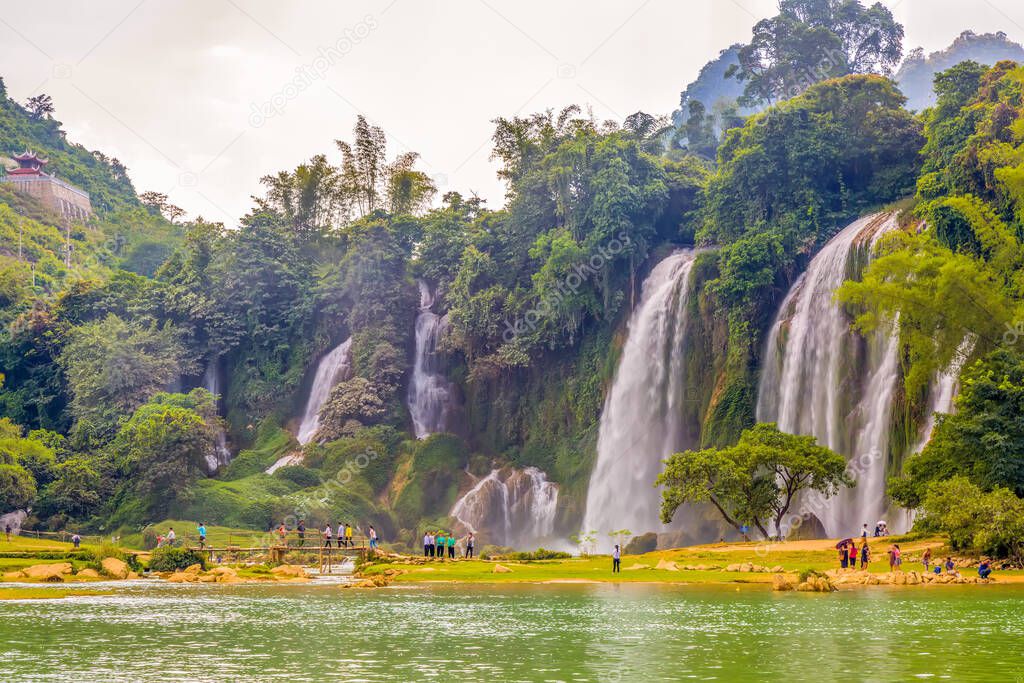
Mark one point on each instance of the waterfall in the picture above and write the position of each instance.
(333, 368)
(221, 454)
(943, 390)
(515, 508)
(14, 519)
(820, 378)
(641, 423)
(429, 395)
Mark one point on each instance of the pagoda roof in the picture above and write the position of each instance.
(29, 155)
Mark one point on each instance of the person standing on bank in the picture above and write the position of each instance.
(426, 544)
(469, 546)
(451, 546)
(616, 560)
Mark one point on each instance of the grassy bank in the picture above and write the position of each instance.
(698, 564)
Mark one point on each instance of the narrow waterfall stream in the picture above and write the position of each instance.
(641, 423)
(429, 396)
(333, 368)
(221, 454)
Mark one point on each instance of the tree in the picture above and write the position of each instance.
(40, 107)
(991, 523)
(76, 489)
(158, 204)
(814, 40)
(408, 191)
(312, 198)
(17, 488)
(755, 481)
(114, 366)
(164, 445)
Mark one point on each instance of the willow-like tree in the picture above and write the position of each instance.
(755, 481)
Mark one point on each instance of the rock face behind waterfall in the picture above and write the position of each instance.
(509, 507)
(430, 393)
(820, 377)
(643, 422)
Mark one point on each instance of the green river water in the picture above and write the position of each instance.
(158, 632)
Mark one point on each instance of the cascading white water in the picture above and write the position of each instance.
(13, 520)
(429, 397)
(814, 380)
(221, 454)
(641, 423)
(335, 367)
(943, 390)
(514, 508)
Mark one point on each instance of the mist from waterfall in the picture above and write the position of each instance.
(221, 454)
(333, 368)
(821, 378)
(429, 397)
(511, 508)
(642, 422)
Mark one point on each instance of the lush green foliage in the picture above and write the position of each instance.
(174, 559)
(991, 523)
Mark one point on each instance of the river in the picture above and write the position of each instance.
(599, 632)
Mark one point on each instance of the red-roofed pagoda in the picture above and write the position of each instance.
(70, 201)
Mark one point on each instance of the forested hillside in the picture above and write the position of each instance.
(109, 363)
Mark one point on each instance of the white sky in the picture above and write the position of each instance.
(171, 88)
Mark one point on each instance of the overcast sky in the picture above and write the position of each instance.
(201, 98)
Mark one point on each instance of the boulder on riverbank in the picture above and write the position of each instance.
(53, 573)
(115, 568)
(88, 574)
(816, 584)
(501, 569)
(911, 578)
(667, 565)
(780, 582)
(290, 572)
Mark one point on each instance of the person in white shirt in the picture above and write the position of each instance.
(616, 560)
(327, 535)
(341, 534)
(426, 544)
(171, 537)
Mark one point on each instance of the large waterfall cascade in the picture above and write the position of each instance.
(820, 377)
(221, 454)
(642, 422)
(430, 393)
(333, 368)
(509, 507)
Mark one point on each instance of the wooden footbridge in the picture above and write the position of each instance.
(327, 557)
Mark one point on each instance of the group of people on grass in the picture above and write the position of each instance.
(436, 544)
(849, 554)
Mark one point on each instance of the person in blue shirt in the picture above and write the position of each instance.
(985, 568)
(202, 535)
